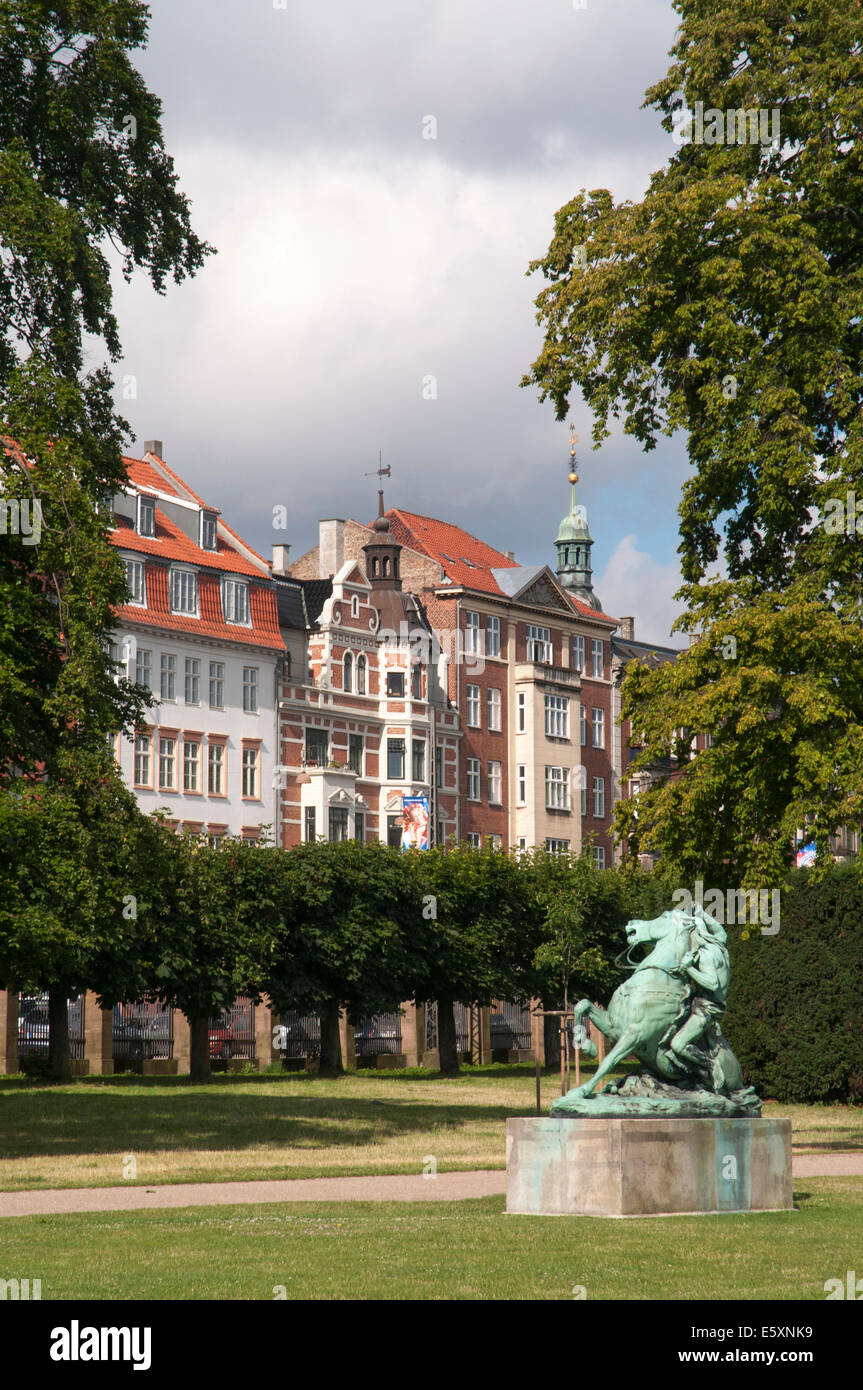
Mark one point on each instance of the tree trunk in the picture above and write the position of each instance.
(551, 1039)
(331, 1043)
(59, 1049)
(199, 1047)
(446, 1038)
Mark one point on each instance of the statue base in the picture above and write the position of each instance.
(561, 1166)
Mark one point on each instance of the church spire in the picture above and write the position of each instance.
(574, 541)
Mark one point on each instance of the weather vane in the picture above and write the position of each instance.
(380, 470)
(573, 439)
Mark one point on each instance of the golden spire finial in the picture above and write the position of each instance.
(573, 439)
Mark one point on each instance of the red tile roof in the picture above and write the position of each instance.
(465, 560)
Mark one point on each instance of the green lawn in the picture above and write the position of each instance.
(447, 1250)
(290, 1125)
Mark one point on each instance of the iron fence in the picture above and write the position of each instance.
(431, 1026)
(232, 1033)
(299, 1034)
(34, 1029)
(381, 1034)
(143, 1032)
(510, 1027)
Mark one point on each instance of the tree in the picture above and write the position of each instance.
(728, 303)
(74, 863)
(349, 935)
(479, 942)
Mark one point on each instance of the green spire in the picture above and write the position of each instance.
(574, 542)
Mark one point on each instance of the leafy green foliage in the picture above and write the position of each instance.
(728, 303)
(796, 998)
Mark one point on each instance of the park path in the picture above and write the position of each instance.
(444, 1187)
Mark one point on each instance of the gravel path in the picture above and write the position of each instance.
(445, 1187)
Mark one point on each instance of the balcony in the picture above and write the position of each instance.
(561, 677)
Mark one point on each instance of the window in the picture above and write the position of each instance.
(135, 581)
(361, 675)
(538, 643)
(167, 764)
(168, 676)
(556, 789)
(472, 638)
(193, 680)
(355, 754)
(310, 823)
(418, 760)
(317, 743)
(355, 612)
(338, 823)
(217, 684)
(142, 760)
(494, 707)
(473, 779)
(557, 846)
(235, 601)
(556, 716)
(395, 685)
(578, 653)
(191, 763)
(473, 706)
(521, 712)
(599, 797)
(492, 636)
(250, 689)
(216, 769)
(584, 798)
(395, 759)
(209, 531)
(521, 784)
(599, 856)
(146, 516)
(521, 844)
(359, 825)
(438, 766)
(143, 672)
(583, 725)
(348, 673)
(495, 842)
(598, 728)
(184, 592)
(473, 839)
(251, 763)
(596, 657)
(494, 783)
(417, 676)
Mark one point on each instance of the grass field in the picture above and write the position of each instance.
(290, 1125)
(447, 1250)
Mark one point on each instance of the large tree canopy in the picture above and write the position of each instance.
(728, 303)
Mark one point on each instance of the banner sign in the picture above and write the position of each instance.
(415, 822)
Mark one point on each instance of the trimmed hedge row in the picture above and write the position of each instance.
(795, 1007)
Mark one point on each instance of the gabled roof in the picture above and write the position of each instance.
(464, 559)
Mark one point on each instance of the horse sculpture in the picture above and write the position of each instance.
(667, 1014)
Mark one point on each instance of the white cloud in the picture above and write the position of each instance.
(635, 584)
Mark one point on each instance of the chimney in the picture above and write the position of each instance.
(281, 555)
(331, 547)
(154, 446)
(627, 629)
(510, 555)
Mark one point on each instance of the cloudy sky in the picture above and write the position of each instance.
(358, 258)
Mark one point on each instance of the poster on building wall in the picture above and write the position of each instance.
(806, 855)
(415, 822)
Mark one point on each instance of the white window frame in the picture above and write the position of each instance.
(582, 721)
(150, 504)
(472, 631)
(555, 846)
(578, 653)
(521, 784)
(472, 706)
(599, 797)
(217, 679)
(495, 783)
(192, 681)
(538, 644)
(494, 708)
(167, 676)
(136, 579)
(235, 602)
(183, 588)
(216, 762)
(143, 754)
(521, 712)
(597, 658)
(599, 856)
(144, 668)
(251, 773)
(556, 716)
(167, 758)
(492, 635)
(209, 519)
(250, 689)
(557, 789)
(191, 764)
(473, 839)
(473, 779)
(597, 719)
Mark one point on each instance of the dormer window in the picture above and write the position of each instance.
(146, 516)
(235, 602)
(209, 531)
(184, 592)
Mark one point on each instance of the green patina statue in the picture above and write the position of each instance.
(668, 1015)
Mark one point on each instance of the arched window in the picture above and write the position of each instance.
(349, 672)
(361, 675)
(374, 567)
(386, 565)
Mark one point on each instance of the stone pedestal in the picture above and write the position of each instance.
(557, 1166)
